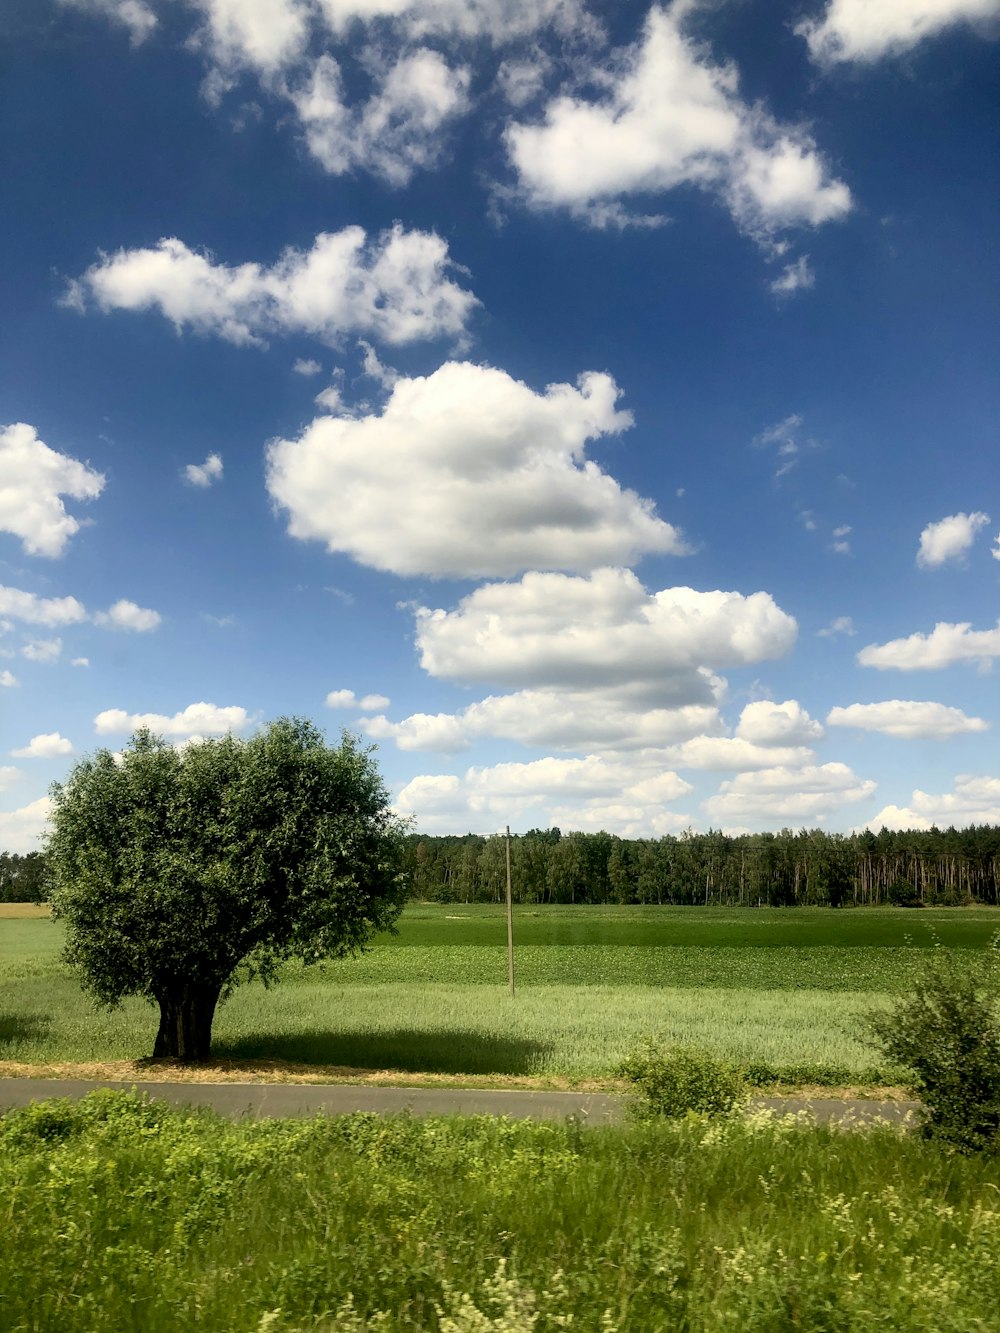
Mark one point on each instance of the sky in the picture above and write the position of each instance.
(592, 405)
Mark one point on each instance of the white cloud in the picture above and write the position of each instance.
(499, 21)
(34, 479)
(765, 723)
(126, 615)
(733, 754)
(394, 287)
(376, 369)
(203, 474)
(264, 34)
(673, 117)
(943, 647)
(8, 680)
(481, 476)
(132, 14)
(949, 539)
(974, 800)
(840, 625)
(80, 662)
(397, 131)
(193, 722)
(995, 553)
(42, 650)
(906, 718)
(49, 745)
(370, 702)
(782, 793)
(307, 367)
(556, 630)
(591, 792)
(789, 442)
(601, 719)
(20, 830)
(41, 610)
(348, 699)
(866, 30)
(794, 277)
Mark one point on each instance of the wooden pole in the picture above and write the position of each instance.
(510, 921)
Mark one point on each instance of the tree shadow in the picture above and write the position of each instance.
(15, 1028)
(405, 1049)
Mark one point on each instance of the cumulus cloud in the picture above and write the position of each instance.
(781, 793)
(943, 647)
(21, 830)
(557, 630)
(134, 15)
(394, 287)
(908, 719)
(266, 35)
(481, 476)
(949, 539)
(766, 723)
(42, 650)
(974, 800)
(499, 21)
(673, 117)
(36, 610)
(591, 792)
(203, 474)
(191, 723)
(602, 719)
(866, 30)
(126, 615)
(306, 366)
(398, 130)
(49, 745)
(348, 699)
(35, 478)
(80, 662)
(8, 680)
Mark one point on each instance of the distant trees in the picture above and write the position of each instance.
(179, 874)
(784, 869)
(22, 878)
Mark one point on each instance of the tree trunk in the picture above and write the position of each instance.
(186, 1014)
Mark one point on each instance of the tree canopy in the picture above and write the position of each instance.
(180, 873)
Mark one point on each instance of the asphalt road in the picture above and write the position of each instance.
(264, 1100)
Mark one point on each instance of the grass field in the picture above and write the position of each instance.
(125, 1215)
(785, 992)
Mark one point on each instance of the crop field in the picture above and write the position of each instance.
(784, 992)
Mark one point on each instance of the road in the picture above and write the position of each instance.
(264, 1100)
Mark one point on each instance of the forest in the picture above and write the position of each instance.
(950, 867)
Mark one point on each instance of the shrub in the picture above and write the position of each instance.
(901, 893)
(673, 1080)
(947, 1031)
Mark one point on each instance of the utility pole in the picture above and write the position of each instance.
(510, 921)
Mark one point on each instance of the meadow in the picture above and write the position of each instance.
(125, 1214)
(783, 992)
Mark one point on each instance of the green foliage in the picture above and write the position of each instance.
(161, 1221)
(947, 1032)
(901, 893)
(179, 873)
(673, 1080)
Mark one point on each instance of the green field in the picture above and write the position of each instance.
(129, 1216)
(783, 991)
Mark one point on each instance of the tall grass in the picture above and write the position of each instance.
(119, 1214)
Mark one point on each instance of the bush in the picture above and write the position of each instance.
(901, 893)
(948, 1033)
(673, 1080)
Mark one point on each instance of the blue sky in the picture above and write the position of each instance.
(594, 405)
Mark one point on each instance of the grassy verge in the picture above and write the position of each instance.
(124, 1213)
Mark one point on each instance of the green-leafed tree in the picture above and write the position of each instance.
(180, 874)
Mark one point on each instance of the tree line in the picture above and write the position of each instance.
(948, 867)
